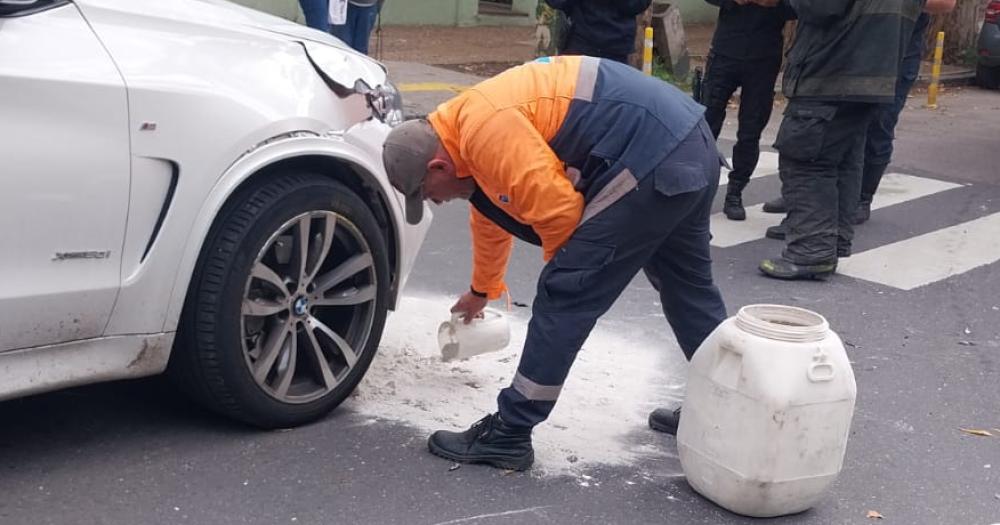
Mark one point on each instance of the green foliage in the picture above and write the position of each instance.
(661, 71)
(969, 57)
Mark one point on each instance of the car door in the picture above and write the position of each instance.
(64, 175)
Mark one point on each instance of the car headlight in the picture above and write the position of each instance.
(387, 104)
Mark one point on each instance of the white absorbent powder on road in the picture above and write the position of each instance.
(622, 372)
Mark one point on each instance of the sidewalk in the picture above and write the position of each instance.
(424, 86)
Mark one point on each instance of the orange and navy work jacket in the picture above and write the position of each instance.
(553, 142)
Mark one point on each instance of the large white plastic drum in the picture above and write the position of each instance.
(770, 398)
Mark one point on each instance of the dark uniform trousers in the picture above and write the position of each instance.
(821, 150)
(650, 229)
(756, 78)
(881, 131)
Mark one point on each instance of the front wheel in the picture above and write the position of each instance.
(287, 304)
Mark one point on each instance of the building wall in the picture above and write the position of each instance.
(460, 12)
(284, 8)
(430, 12)
(695, 11)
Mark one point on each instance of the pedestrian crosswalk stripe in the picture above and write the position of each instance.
(895, 188)
(930, 257)
(766, 165)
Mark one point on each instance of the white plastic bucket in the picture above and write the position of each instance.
(489, 332)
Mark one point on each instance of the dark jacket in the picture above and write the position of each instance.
(750, 32)
(601, 28)
(849, 50)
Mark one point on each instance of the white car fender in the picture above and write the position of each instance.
(344, 148)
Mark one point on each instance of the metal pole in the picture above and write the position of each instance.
(647, 52)
(932, 91)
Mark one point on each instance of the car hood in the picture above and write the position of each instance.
(336, 60)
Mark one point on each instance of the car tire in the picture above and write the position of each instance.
(293, 274)
(987, 77)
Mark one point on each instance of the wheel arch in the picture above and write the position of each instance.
(332, 158)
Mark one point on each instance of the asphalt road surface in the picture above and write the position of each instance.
(918, 306)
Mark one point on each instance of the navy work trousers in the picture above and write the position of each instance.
(651, 229)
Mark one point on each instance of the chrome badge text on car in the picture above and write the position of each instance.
(63, 256)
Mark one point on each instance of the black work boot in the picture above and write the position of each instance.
(784, 269)
(864, 211)
(665, 420)
(489, 441)
(733, 207)
(775, 206)
(776, 232)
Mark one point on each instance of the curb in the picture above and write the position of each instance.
(962, 78)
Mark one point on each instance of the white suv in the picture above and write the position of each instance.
(193, 186)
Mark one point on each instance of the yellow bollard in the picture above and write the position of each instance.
(647, 52)
(932, 91)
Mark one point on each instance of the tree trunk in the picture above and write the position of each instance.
(961, 29)
(642, 21)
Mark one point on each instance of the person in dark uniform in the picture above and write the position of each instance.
(611, 172)
(746, 53)
(881, 131)
(600, 28)
(844, 63)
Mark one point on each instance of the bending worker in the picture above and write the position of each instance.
(610, 172)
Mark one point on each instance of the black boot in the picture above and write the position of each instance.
(489, 441)
(733, 207)
(864, 211)
(776, 232)
(775, 206)
(783, 269)
(665, 420)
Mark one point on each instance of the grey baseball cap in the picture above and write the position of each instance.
(407, 150)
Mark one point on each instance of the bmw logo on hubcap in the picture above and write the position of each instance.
(301, 306)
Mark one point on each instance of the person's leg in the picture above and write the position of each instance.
(877, 151)
(858, 117)
(681, 271)
(361, 26)
(343, 31)
(881, 131)
(817, 144)
(756, 103)
(808, 165)
(720, 82)
(317, 13)
(722, 76)
(577, 286)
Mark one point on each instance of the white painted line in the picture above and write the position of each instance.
(726, 233)
(895, 188)
(767, 164)
(930, 257)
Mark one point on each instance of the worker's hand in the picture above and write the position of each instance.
(469, 305)
(766, 3)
